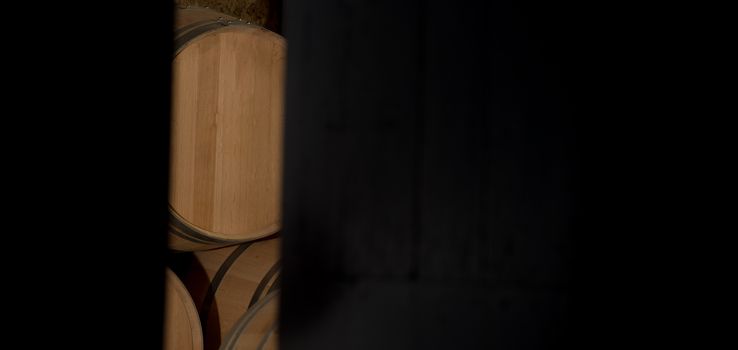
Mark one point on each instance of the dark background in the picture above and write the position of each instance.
(464, 176)
(457, 175)
(432, 175)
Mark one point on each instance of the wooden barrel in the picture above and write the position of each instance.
(226, 134)
(226, 282)
(257, 328)
(182, 329)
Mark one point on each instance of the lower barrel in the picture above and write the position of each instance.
(182, 329)
(226, 282)
(257, 328)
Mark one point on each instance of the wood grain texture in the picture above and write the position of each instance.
(272, 339)
(181, 322)
(256, 329)
(225, 282)
(226, 141)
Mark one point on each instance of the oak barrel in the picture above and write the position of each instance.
(182, 329)
(257, 328)
(226, 282)
(226, 131)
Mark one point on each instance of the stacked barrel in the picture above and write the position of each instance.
(225, 183)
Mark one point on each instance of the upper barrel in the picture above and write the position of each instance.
(226, 130)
